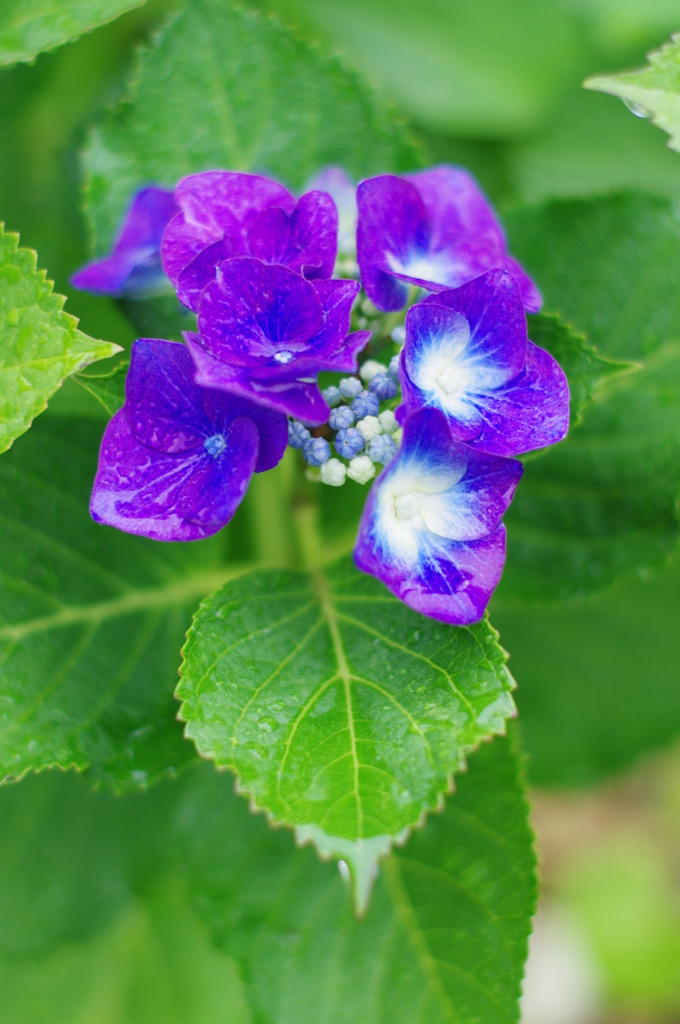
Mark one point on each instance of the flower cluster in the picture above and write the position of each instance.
(459, 391)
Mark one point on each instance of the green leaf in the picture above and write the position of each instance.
(86, 854)
(267, 103)
(463, 69)
(343, 713)
(91, 620)
(107, 388)
(586, 370)
(652, 92)
(444, 939)
(154, 964)
(39, 343)
(600, 674)
(30, 27)
(605, 500)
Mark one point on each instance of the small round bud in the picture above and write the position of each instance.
(369, 427)
(383, 386)
(393, 369)
(349, 387)
(341, 418)
(297, 434)
(316, 451)
(397, 435)
(382, 449)
(349, 443)
(361, 469)
(333, 473)
(366, 404)
(388, 421)
(331, 395)
(398, 335)
(369, 369)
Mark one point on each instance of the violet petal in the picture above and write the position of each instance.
(134, 264)
(163, 405)
(139, 490)
(304, 241)
(256, 312)
(215, 489)
(214, 205)
(430, 529)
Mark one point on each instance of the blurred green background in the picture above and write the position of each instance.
(495, 86)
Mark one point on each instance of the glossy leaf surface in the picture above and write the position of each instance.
(443, 940)
(653, 91)
(91, 620)
(40, 344)
(343, 713)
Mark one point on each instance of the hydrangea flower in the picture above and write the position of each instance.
(176, 460)
(134, 264)
(467, 354)
(265, 332)
(431, 528)
(435, 229)
(226, 215)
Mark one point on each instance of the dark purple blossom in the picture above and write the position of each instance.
(435, 229)
(134, 265)
(227, 215)
(468, 355)
(176, 461)
(431, 528)
(265, 332)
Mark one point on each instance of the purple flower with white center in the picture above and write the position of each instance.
(227, 215)
(467, 354)
(176, 460)
(435, 229)
(431, 528)
(134, 265)
(265, 332)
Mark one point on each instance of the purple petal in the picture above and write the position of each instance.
(305, 241)
(164, 407)
(434, 229)
(272, 427)
(461, 218)
(254, 312)
(463, 343)
(301, 399)
(214, 205)
(142, 491)
(216, 488)
(134, 264)
(529, 412)
(430, 527)
(392, 231)
(453, 583)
